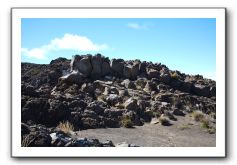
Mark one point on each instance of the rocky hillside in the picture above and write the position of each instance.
(94, 92)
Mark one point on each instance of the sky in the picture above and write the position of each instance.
(184, 44)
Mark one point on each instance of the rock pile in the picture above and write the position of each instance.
(94, 92)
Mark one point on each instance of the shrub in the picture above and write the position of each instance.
(205, 123)
(175, 75)
(164, 121)
(66, 127)
(126, 122)
(198, 115)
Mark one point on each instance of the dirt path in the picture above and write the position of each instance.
(183, 133)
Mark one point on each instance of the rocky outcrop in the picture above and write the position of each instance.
(94, 92)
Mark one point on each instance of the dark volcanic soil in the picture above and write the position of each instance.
(183, 133)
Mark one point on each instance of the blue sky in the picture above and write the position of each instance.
(185, 44)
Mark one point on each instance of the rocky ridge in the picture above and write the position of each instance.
(96, 92)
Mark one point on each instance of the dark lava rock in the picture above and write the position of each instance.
(35, 109)
(94, 92)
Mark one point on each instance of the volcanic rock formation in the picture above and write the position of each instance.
(94, 92)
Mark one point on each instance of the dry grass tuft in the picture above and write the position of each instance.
(198, 115)
(183, 127)
(126, 122)
(164, 121)
(66, 127)
(211, 130)
(25, 141)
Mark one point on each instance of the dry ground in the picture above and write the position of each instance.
(184, 132)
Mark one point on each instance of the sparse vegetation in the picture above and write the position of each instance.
(126, 122)
(205, 123)
(120, 106)
(164, 121)
(25, 141)
(174, 75)
(211, 130)
(66, 127)
(145, 96)
(183, 127)
(212, 115)
(198, 115)
(35, 71)
(101, 98)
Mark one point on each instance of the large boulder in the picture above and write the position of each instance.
(88, 88)
(164, 97)
(213, 91)
(89, 122)
(128, 84)
(75, 62)
(71, 78)
(77, 105)
(117, 66)
(165, 75)
(131, 104)
(150, 86)
(58, 111)
(29, 90)
(59, 139)
(142, 67)
(105, 67)
(35, 109)
(54, 75)
(152, 73)
(97, 106)
(176, 84)
(84, 66)
(131, 71)
(140, 83)
(96, 62)
(186, 87)
(201, 90)
(113, 112)
(113, 99)
(165, 78)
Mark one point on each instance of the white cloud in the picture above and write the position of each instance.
(136, 26)
(38, 53)
(67, 42)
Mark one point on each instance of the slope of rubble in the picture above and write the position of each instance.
(97, 92)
